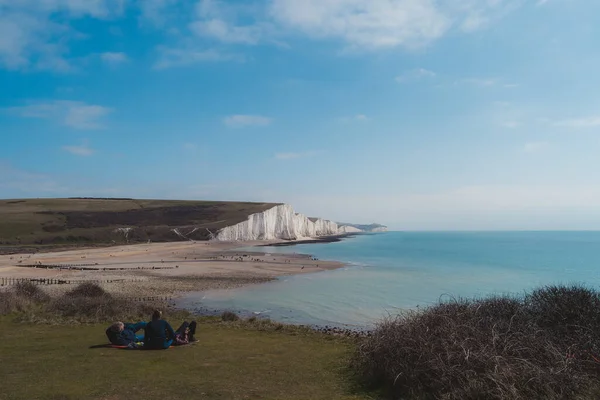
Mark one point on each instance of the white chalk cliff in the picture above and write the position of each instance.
(349, 229)
(279, 222)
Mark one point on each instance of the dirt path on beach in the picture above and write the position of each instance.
(159, 269)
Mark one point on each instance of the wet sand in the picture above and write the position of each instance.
(162, 269)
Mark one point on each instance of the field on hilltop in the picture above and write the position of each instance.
(109, 221)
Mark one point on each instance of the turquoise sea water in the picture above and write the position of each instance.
(399, 270)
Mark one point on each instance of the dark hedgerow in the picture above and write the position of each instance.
(543, 345)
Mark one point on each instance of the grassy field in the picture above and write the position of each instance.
(44, 222)
(229, 362)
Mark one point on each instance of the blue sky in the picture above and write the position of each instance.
(420, 114)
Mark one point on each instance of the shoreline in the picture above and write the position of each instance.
(172, 270)
(162, 269)
(323, 239)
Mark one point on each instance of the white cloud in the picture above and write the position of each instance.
(76, 114)
(474, 21)
(155, 11)
(587, 122)
(238, 121)
(535, 147)
(183, 57)
(367, 24)
(414, 75)
(80, 150)
(225, 32)
(291, 156)
(35, 34)
(113, 59)
(219, 21)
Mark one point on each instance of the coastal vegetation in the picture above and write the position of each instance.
(544, 344)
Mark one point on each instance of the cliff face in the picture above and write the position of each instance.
(279, 222)
(363, 228)
(349, 229)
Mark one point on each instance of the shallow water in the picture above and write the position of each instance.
(402, 270)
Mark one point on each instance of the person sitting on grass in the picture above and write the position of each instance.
(120, 334)
(158, 333)
(185, 333)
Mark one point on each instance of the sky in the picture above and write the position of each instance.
(417, 114)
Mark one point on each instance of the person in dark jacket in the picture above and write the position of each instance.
(121, 334)
(185, 334)
(158, 333)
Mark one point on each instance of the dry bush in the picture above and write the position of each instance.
(229, 316)
(88, 302)
(87, 289)
(10, 303)
(494, 348)
(21, 297)
(31, 291)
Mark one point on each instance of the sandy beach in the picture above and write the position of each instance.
(161, 269)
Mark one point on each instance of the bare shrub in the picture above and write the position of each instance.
(494, 348)
(103, 308)
(229, 316)
(30, 291)
(10, 303)
(21, 297)
(87, 289)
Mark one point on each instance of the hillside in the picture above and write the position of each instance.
(93, 220)
(366, 228)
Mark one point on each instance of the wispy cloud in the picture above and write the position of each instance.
(114, 59)
(364, 24)
(354, 118)
(79, 150)
(535, 147)
(292, 156)
(238, 121)
(415, 75)
(156, 11)
(75, 114)
(220, 30)
(511, 124)
(481, 82)
(183, 57)
(586, 122)
(36, 34)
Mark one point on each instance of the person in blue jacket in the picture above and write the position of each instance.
(158, 333)
(124, 334)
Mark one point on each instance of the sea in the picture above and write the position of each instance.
(394, 271)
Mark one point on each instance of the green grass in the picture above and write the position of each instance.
(229, 362)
